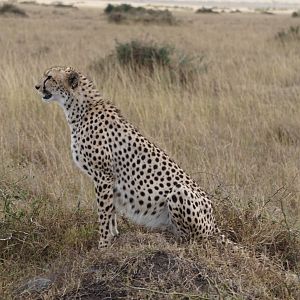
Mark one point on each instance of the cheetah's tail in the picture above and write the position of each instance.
(226, 242)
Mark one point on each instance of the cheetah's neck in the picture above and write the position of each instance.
(79, 103)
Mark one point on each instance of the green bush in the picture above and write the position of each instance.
(29, 3)
(204, 10)
(62, 5)
(8, 8)
(296, 14)
(151, 58)
(117, 18)
(235, 11)
(139, 54)
(109, 8)
(123, 8)
(127, 13)
(267, 12)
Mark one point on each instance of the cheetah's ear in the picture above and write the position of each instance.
(73, 79)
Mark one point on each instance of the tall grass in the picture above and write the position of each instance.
(235, 131)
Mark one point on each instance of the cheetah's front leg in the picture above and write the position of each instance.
(106, 210)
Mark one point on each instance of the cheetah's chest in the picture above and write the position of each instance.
(82, 156)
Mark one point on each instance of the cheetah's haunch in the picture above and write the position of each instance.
(132, 176)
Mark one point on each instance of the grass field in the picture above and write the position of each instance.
(235, 129)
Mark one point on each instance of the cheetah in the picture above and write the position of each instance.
(132, 176)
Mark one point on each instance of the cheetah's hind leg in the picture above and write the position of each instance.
(190, 214)
(178, 225)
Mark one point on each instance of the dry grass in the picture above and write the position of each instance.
(236, 130)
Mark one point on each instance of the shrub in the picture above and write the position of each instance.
(109, 8)
(117, 18)
(8, 8)
(62, 5)
(29, 3)
(296, 14)
(235, 11)
(292, 33)
(267, 12)
(138, 54)
(204, 10)
(123, 8)
(127, 13)
(149, 57)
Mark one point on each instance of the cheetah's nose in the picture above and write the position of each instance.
(37, 87)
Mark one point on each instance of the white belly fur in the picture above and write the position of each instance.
(160, 220)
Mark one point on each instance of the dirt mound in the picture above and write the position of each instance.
(157, 274)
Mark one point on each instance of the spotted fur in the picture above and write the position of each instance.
(132, 176)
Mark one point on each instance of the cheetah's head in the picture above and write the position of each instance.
(58, 83)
